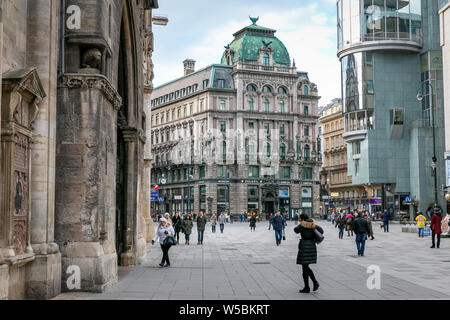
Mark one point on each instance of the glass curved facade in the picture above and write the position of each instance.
(357, 90)
(375, 20)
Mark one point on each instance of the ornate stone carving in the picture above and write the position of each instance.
(100, 82)
(92, 58)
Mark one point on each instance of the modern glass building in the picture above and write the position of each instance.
(389, 52)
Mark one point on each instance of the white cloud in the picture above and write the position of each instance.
(308, 33)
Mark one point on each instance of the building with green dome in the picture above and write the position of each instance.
(239, 136)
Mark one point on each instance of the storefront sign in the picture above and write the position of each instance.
(283, 193)
(306, 192)
(307, 204)
(375, 201)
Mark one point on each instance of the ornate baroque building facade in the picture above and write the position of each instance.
(239, 136)
(73, 124)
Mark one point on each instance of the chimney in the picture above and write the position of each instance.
(189, 66)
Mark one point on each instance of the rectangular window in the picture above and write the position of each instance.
(201, 106)
(253, 171)
(253, 194)
(222, 171)
(267, 128)
(306, 110)
(220, 83)
(223, 126)
(201, 172)
(179, 113)
(251, 125)
(285, 172)
(307, 173)
(356, 167)
(222, 106)
(306, 131)
(356, 148)
(222, 194)
(205, 83)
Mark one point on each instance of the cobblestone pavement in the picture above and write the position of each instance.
(240, 265)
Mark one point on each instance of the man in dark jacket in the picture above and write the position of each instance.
(201, 224)
(436, 228)
(278, 224)
(385, 218)
(362, 229)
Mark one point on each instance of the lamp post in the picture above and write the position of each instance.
(434, 158)
(190, 176)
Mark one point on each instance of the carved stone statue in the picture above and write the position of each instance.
(92, 59)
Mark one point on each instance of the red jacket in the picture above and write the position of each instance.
(436, 223)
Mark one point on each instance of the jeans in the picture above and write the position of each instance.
(270, 224)
(438, 239)
(200, 235)
(361, 242)
(421, 232)
(386, 226)
(214, 229)
(341, 233)
(278, 235)
(186, 236)
(221, 227)
(165, 250)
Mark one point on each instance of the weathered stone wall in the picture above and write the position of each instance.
(86, 179)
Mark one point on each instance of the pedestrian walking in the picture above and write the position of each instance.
(340, 224)
(177, 225)
(307, 250)
(296, 218)
(366, 216)
(231, 218)
(253, 222)
(278, 224)
(385, 218)
(164, 231)
(201, 224)
(349, 223)
(221, 221)
(270, 220)
(420, 223)
(436, 228)
(187, 227)
(167, 217)
(213, 222)
(361, 228)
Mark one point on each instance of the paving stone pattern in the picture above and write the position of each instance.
(243, 265)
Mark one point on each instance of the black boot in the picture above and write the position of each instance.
(306, 289)
(315, 285)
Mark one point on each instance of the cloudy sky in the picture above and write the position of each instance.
(199, 30)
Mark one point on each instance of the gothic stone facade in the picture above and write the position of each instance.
(72, 142)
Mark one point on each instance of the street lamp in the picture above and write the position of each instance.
(190, 177)
(434, 159)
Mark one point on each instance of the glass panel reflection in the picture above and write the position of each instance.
(378, 20)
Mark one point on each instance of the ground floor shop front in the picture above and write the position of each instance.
(236, 198)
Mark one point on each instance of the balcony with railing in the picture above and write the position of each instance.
(258, 67)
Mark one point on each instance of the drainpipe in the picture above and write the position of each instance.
(63, 24)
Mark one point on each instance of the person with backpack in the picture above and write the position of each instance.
(307, 250)
(162, 233)
(362, 229)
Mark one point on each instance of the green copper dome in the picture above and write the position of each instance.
(249, 40)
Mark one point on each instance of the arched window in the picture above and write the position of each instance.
(306, 152)
(268, 150)
(266, 59)
(281, 103)
(267, 89)
(251, 87)
(228, 60)
(282, 90)
(305, 90)
(283, 151)
(250, 104)
(266, 105)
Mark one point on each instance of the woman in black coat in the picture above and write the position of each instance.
(253, 222)
(307, 250)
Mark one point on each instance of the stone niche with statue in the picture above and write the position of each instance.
(22, 93)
